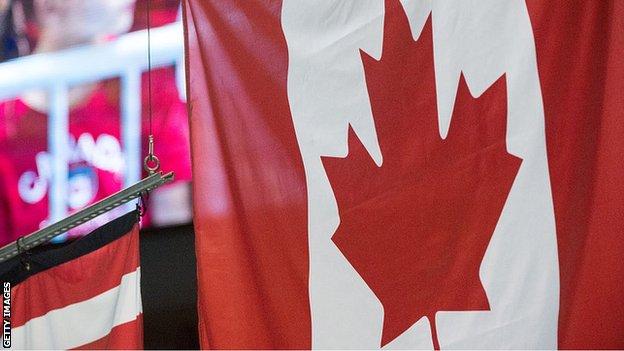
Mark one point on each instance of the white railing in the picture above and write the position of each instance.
(54, 72)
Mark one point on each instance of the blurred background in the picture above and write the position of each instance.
(74, 123)
(74, 116)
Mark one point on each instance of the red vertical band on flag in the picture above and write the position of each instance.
(579, 55)
(250, 209)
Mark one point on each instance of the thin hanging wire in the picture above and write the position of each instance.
(151, 162)
(149, 65)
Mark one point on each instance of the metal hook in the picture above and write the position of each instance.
(142, 203)
(20, 251)
(20, 248)
(151, 163)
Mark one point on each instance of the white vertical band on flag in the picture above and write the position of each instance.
(84, 321)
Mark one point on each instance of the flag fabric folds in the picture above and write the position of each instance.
(407, 174)
(83, 295)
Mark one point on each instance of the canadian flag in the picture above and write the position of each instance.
(86, 295)
(408, 174)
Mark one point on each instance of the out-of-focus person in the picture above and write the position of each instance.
(96, 167)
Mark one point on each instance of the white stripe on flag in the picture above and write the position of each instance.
(85, 321)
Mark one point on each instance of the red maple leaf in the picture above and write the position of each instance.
(416, 228)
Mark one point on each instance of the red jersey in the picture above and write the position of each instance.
(96, 162)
